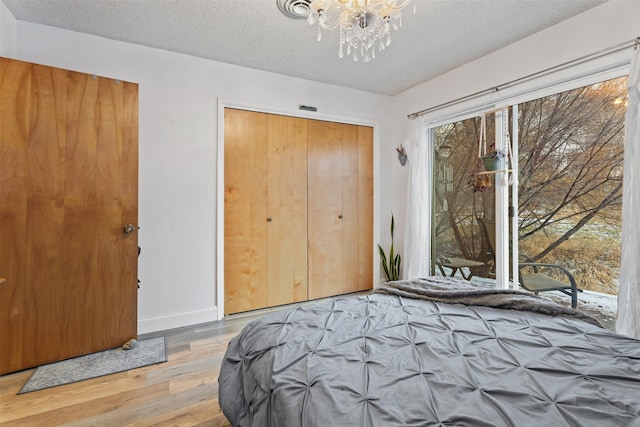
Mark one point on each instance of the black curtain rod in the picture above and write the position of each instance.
(613, 49)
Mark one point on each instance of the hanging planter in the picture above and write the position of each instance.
(491, 163)
(494, 161)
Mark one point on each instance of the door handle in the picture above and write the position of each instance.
(269, 219)
(129, 228)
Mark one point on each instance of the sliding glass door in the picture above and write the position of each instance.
(570, 188)
(460, 248)
(565, 204)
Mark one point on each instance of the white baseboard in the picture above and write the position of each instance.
(176, 320)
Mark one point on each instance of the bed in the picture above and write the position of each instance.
(436, 351)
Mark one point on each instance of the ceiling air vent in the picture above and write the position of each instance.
(297, 9)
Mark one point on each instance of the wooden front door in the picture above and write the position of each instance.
(68, 186)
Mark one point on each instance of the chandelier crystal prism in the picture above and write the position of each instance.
(365, 25)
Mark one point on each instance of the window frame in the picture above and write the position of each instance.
(562, 80)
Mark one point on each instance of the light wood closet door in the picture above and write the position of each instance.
(68, 185)
(246, 246)
(325, 208)
(298, 209)
(265, 210)
(340, 208)
(357, 208)
(287, 210)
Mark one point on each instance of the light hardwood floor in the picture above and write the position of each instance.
(181, 392)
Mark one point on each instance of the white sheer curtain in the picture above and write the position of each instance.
(417, 236)
(628, 322)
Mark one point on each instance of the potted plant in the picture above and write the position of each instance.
(402, 154)
(391, 265)
(494, 159)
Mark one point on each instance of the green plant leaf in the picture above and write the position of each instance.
(392, 227)
(391, 266)
(383, 258)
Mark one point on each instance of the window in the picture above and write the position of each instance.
(569, 192)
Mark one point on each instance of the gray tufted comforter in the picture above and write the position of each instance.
(396, 358)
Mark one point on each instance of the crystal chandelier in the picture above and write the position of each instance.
(365, 25)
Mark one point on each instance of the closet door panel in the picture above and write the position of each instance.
(245, 210)
(357, 205)
(365, 207)
(324, 141)
(287, 209)
(350, 209)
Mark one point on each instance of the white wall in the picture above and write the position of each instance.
(599, 28)
(178, 134)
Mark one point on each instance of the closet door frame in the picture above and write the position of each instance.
(240, 105)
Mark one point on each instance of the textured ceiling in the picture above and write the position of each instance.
(442, 35)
